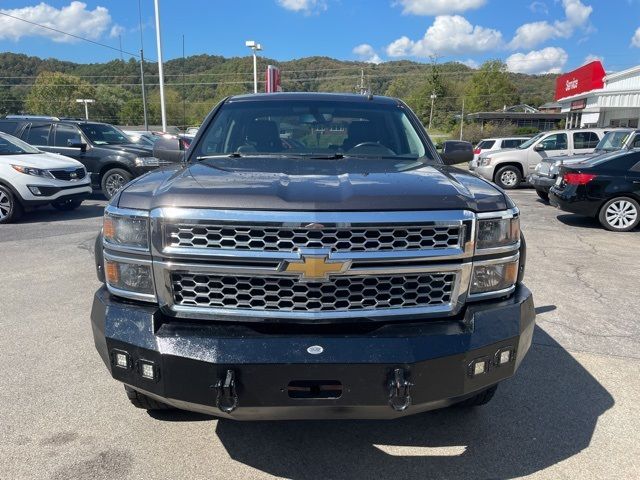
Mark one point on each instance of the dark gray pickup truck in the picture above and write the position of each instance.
(311, 257)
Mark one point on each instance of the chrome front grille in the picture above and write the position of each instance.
(337, 294)
(311, 266)
(290, 239)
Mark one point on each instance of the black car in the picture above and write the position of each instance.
(606, 187)
(106, 152)
(312, 257)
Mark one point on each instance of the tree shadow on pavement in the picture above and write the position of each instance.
(545, 414)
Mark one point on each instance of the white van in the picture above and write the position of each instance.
(508, 168)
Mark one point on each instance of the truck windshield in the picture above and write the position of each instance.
(102, 134)
(612, 141)
(10, 145)
(531, 141)
(314, 129)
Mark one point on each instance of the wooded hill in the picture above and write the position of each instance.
(193, 85)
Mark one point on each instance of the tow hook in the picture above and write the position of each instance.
(226, 396)
(399, 394)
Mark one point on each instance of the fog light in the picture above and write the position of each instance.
(35, 190)
(504, 356)
(147, 369)
(121, 359)
(479, 366)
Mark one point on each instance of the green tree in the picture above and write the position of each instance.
(9, 102)
(490, 88)
(55, 93)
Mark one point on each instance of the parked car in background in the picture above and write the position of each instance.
(606, 187)
(508, 168)
(105, 151)
(545, 174)
(30, 178)
(493, 144)
(143, 138)
(192, 131)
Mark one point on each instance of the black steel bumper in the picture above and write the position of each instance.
(540, 182)
(353, 377)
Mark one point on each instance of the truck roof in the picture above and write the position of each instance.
(333, 97)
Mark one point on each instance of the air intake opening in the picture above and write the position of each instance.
(328, 389)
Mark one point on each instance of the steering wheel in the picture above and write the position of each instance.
(378, 147)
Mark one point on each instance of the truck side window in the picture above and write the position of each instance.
(8, 127)
(64, 133)
(37, 134)
(585, 140)
(557, 141)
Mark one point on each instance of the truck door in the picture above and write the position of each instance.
(37, 135)
(553, 145)
(584, 142)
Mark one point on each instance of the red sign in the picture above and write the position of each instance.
(584, 79)
(273, 80)
(579, 104)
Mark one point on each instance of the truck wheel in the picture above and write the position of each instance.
(479, 399)
(66, 205)
(139, 400)
(620, 214)
(543, 195)
(10, 208)
(508, 177)
(113, 180)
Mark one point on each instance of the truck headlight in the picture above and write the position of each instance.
(494, 275)
(129, 277)
(498, 232)
(147, 162)
(126, 229)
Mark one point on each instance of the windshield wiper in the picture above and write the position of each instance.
(335, 156)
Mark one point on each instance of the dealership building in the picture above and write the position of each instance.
(589, 97)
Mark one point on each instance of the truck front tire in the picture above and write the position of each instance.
(508, 177)
(479, 399)
(140, 400)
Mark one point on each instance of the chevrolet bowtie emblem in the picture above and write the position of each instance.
(316, 268)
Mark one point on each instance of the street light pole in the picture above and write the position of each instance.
(255, 47)
(86, 102)
(163, 111)
(433, 97)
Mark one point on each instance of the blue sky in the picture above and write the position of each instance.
(532, 36)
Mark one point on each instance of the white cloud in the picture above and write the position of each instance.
(438, 7)
(367, 53)
(539, 7)
(547, 60)
(449, 35)
(471, 63)
(529, 35)
(635, 40)
(303, 6)
(116, 31)
(592, 58)
(74, 18)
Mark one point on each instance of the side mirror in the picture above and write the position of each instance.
(168, 149)
(538, 147)
(454, 151)
(76, 142)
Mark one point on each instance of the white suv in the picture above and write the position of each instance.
(508, 168)
(30, 177)
(487, 145)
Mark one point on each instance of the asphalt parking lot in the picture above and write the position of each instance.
(570, 412)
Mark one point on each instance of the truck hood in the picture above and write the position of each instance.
(136, 150)
(43, 160)
(272, 183)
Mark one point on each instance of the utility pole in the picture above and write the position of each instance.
(255, 47)
(433, 97)
(462, 118)
(361, 86)
(144, 94)
(184, 93)
(163, 111)
(86, 102)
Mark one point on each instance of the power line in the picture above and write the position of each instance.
(68, 34)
